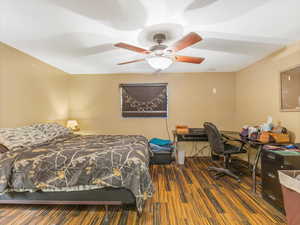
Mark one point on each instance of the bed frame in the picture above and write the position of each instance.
(104, 196)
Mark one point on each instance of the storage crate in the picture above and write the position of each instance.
(290, 182)
(162, 157)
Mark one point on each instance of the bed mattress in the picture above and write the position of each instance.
(80, 163)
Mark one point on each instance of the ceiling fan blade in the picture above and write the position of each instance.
(132, 61)
(189, 59)
(132, 48)
(186, 41)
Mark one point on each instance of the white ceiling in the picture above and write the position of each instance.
(77, 36)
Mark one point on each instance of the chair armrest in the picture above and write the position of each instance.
(228, 138)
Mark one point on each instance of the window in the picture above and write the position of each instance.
(144, 100)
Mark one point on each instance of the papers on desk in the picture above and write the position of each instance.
(283, 150)
(272, 147)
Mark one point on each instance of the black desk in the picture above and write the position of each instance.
(202, 137)
(255, 145)
(199, 136)
(271, 162)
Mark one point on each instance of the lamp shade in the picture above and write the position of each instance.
(73, 125)
(159, 62)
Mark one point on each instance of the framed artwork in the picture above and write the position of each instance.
(144, 100)
(290, 90)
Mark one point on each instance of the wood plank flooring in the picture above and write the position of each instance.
(186, 195)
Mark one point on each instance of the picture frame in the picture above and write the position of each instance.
(290, 89)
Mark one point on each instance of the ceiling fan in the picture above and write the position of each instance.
(161, 56)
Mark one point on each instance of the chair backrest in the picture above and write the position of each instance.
(214, 138)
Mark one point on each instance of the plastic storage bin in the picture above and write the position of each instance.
(290, 183)
(180, 158)
(162, 157)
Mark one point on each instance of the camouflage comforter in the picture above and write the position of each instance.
(75, 162)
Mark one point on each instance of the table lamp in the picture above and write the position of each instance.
(73, 125)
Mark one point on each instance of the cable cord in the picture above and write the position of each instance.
(167, 128)
(198, 151)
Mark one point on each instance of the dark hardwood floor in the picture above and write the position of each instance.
(186, 195)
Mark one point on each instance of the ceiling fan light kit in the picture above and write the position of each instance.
(160, 56)
(159, 62)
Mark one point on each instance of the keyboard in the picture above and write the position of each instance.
(195, 134)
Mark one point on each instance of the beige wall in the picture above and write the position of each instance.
(95, 102)
(30, 90)
(258, 91)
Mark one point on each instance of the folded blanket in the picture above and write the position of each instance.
(156, 148)
(160, 142)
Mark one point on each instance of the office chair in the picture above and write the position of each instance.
(220, 146)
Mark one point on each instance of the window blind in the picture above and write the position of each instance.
(144, 100)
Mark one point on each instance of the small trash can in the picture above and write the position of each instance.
(180, 158)
(290, 183)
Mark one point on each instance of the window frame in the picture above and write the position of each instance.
(281, 103)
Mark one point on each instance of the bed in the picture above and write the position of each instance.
(48, 164)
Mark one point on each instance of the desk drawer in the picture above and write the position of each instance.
(273, 185)
(269, 169)
(270, 179)
(270, 157)
(269, 174)
(273, 200)
(272, 170)
(268, 162)
(271, 189)
(188, 137)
